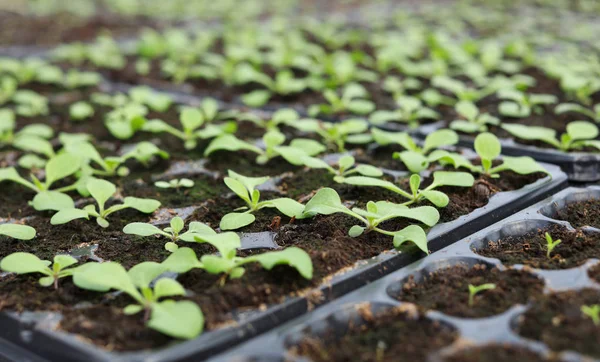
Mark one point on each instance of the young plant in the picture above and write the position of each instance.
(352, 100)
(550, 244)
(410, 110)
(175, 184)
(245, 188)
(592, 312)
(579, 134)
(520, 105)
(461, 91)
(30, 104)
(337, 134)
(57, 168)
(101, 191)
(179, 319)
(326, 202)
(126, 119)
(474, 290)
(416, 158)
(594, 113)
(25, 263)
(80, 111)
(416, 195)
(192, 120)
(283, 83)
(17, 231)
(172, 232)
(31, 138)
(473, 120)
(346, 166)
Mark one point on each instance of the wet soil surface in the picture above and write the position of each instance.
(531, 249)
(392, 335)
(447, 290)
(581, 213)
(557, 320)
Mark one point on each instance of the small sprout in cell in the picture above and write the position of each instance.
(474, 290)
(519, 105)
(352, 100)
(473, 121)
(550, 244)
(410, 111)
(173, 232)
(175, 184)
(25, 263)
(346, 166)
(592, 312)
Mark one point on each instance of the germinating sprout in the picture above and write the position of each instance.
(175, 183)
(416, 194)
(473, 121)
(550, 244)
(352, 100)
(231, 266)
(17, 231)
(173, 232)
(326, 202)
(473, 290)
(101, 191)
(245, 188)
(579, 134)
(592, 312)
(410, 111)
(519, 105)
(25, 263)
(179, 319)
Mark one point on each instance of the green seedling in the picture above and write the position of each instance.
(346, 166)
(326, 202)
(416, 195)
(473, 120)
(283, 83)
(156, 101)
(179, 319)
(352, 100)
(410, 110)
(101, 191)
(337, 134)
(245, 188)
(125, 120)
(579, 134)
(520, 105)
(16, 231)
(592, 312)
(461, 91)
(30, 104)
(594, 113)
(474, 290)
(175, 184)
(226, 262)
(172, 232)
(80, 111)
(25, 263)
(550, 244)
(31, 138)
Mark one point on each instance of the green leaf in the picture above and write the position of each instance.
(103, 277)
(146, 206)
(182, 260)
(356, 231)
(368, 170)
(326, 202)
(521, 165)
(144, 273)
(16, 231)
(236, 220)
(64, 261)
(229, 142)
(167, 287)
(292, 256)
(61, 166)
(52, 200)
(23, 263)
(287, 206)
(257, 98)
(177, 224)
(132, 309)
(182, 319)
(66, 215)
(191, 118)
(467, 109)
(414, 234)
(101, 190)
(487, 146)
(449, 178)
(141, 229)
(582, 130)
(440, 138)
(381, 117)
(414, 161)
(438, 198)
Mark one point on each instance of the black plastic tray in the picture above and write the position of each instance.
(579, 166)
(35, 332)
(495, 330)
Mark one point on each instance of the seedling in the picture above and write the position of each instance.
(416, 195)
(352, 100)
(473, 120)
(579, 86)
(520, 105)
(579, 134)
(31, 138)
(226, 262)
(594, 113)
(410, 110)
(25, 263)
(473, 290)
(550, 244)
(593, 312)
(172, 232)
(245, 188)
(80, 111)
(326, 202)
(346, 166)
(57, 168)
(175, 184)
(30, 104)
(461, 91)
(156, 101)
(101, 191)
(337, 134)
(17, 231)
(192, 120)
(125, 120)
(398, 87)
(283, 83)
(179, 319)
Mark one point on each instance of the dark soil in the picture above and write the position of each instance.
(594, 272)
(447, 290)
(496, 353)
(392, 335)
(581, 213)
(531, 249)
(557, 320)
